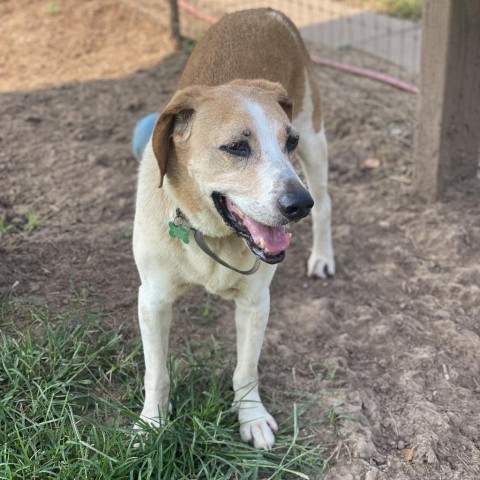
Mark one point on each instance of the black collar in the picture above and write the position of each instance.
(179, 228)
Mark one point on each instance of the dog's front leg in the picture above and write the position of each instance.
(155, 317)
(256, 424)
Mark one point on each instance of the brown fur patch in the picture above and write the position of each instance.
(181, 102)
(275, 88)
(254, 44)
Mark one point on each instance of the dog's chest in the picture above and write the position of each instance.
(217, 279)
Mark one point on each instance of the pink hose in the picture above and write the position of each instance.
(195, 12)
(365, 72)
(344, 67)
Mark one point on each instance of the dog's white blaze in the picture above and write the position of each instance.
(278, 166)
(265, 132)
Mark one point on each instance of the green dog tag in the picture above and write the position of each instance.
(179, 232)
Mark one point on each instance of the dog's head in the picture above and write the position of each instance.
(227, 153)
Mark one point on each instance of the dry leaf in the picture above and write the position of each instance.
(371, 163)
(408, 454)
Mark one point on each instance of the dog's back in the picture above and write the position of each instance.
(250, 44)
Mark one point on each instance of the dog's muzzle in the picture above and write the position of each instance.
(266, 242)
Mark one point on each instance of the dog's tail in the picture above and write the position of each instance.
(142, 133)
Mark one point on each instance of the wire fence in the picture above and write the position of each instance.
(381, 34)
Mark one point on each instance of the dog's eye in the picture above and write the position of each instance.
(292, 143)
(239, 149)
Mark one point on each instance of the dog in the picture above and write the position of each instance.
(217, 191)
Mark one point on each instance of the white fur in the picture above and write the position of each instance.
(161, 285)
(274, 167)
(265, 132)
(168, 268)
(313, 155)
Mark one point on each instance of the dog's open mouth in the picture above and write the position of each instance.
(265, 242)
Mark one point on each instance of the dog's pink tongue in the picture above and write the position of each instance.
(273, 240)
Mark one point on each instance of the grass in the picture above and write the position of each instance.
(5, 227)
(70, 391)
(32, 222)
(408, 9)
(27, 223)
(53, 8)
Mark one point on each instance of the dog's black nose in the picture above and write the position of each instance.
(296, 205)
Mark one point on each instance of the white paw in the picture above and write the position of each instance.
(257, 426)
(320, 266)
(141, 433)
(154, 416)
(154, 421)
(151, 417)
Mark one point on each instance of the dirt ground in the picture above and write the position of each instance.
(389, 348)
(48, 42)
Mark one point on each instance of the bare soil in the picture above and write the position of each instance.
(50, 42)
(389, 348)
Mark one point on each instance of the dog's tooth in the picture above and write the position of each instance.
(261, 243)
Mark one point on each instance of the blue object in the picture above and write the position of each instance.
(142, 133)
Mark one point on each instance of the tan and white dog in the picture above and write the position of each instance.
(221, 154)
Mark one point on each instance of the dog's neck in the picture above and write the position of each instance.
(180, 228)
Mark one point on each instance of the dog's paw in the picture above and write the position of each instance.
(153, 421)
(154, 416)
(320, 266)
(258, 427)
(150, 417)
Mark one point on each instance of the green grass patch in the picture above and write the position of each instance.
(5, 227)
(32, 222)
(53, 8)
(27, 223)
(70, 392)
(408, 9)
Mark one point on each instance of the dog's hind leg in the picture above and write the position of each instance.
(313, 154)
(251, 317)
(313, 157)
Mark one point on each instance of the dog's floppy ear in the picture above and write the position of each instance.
(175, 117)
(275, 88)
